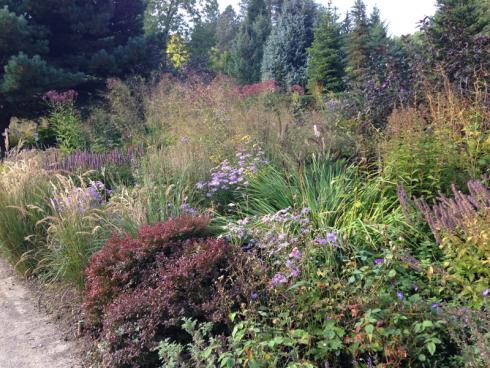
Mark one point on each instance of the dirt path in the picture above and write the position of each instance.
(28, 337)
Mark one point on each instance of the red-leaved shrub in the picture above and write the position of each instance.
(138, 290)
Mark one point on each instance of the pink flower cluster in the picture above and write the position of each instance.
(60, 98)
(257, 88)
(298, 89)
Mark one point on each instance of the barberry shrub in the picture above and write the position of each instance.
(138, 290)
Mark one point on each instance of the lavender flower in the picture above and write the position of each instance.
(400, 295)
(485, 293)
(378, 261)
(332, 238)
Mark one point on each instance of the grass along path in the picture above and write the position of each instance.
(28, 337)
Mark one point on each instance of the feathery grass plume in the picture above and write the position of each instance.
(80, 223)
(24, 202)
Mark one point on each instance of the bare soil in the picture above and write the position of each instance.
(38, 325)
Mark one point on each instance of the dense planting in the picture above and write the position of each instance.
(330, 210)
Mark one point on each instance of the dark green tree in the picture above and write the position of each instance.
(128, 19)
(248, 47)
(286, 51)
(326, 67)
(76, 45)
(203, 36)
(458, 40)
(226, 29)
(378, 46)
(357, 45)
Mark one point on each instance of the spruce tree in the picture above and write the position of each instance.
(326, 63)
(286, 51)
(378, 46)
(357, 45)
(248, 47)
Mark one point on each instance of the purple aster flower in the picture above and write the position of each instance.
(294, 272)
(321, 241)
(305, 211)
(378, 261)
(254, 296)
(279, 278)
(332, 238)
(400, 295)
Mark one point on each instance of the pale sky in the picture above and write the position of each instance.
(401, 16)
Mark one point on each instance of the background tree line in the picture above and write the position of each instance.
(46, 46)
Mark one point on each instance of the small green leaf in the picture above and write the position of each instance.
(431, 347)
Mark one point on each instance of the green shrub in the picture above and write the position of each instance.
(428, 152)
(65, 121)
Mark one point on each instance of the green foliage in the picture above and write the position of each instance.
(66, 125)
(26, 78)
(227, 27)
(119, 120)
(326, 64)
(248, 47)
(52, 47)
(202, 351)
(338, 197)
(17, 36)
(357, 48)
(427, 160)
(285, 53)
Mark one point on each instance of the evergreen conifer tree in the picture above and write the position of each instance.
(248, 47)
(357, 45)
(286, 51)
(326, 64)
